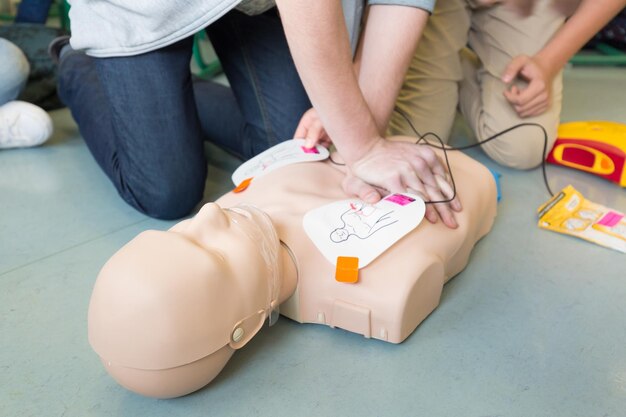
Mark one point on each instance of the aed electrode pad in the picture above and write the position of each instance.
(353, 228)
(285, 153)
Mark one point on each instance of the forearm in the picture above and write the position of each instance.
(587, 20)
(319, 44)
(385, 51)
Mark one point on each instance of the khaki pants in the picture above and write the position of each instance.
(459, 61)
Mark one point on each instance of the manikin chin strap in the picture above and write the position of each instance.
(266, 237)
(249, 326)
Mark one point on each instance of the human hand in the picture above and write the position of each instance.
(398, 167)
(534, 99)
(311, 130)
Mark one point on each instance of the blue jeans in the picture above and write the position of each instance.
(144, 119)
(33, 11)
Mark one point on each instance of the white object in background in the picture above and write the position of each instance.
(23, 125)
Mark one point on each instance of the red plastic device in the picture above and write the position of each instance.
(598, 147)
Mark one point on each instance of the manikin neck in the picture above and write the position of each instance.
(288, 273)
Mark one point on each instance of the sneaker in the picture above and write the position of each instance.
(23, 124)
(56, 47)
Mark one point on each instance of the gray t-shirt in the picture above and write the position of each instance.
(253, 7)
(107, 28)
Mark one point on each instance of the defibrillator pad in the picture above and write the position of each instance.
(285, 153)
(357, 229)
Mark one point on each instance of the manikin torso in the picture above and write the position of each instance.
(402, 286)
(170, 307)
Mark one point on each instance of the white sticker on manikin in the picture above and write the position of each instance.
(358, 229)
(285, 153)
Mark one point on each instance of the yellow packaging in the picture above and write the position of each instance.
(568, 212)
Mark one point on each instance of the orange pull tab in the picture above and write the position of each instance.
(347, 269)
(243, 185)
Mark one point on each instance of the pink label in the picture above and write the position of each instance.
(610, 219)
(400, 199)
(310, 150)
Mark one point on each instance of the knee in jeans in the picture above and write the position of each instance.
(519, 149)
(168, 200)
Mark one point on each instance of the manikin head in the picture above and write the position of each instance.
(169, 309)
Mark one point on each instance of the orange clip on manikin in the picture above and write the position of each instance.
(347, 269)
(243, 185)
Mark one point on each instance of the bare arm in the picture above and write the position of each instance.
(587, 20)
(539, 70)
(388, 43)
(318, 40)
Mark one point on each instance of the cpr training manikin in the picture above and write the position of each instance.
(170, 308)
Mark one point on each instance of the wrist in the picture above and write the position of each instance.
(357, 135)
(549, 63)
(355, 152)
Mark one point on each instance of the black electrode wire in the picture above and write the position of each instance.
(445, 150)
(480, 142)
(330, 158)
(445, 154)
